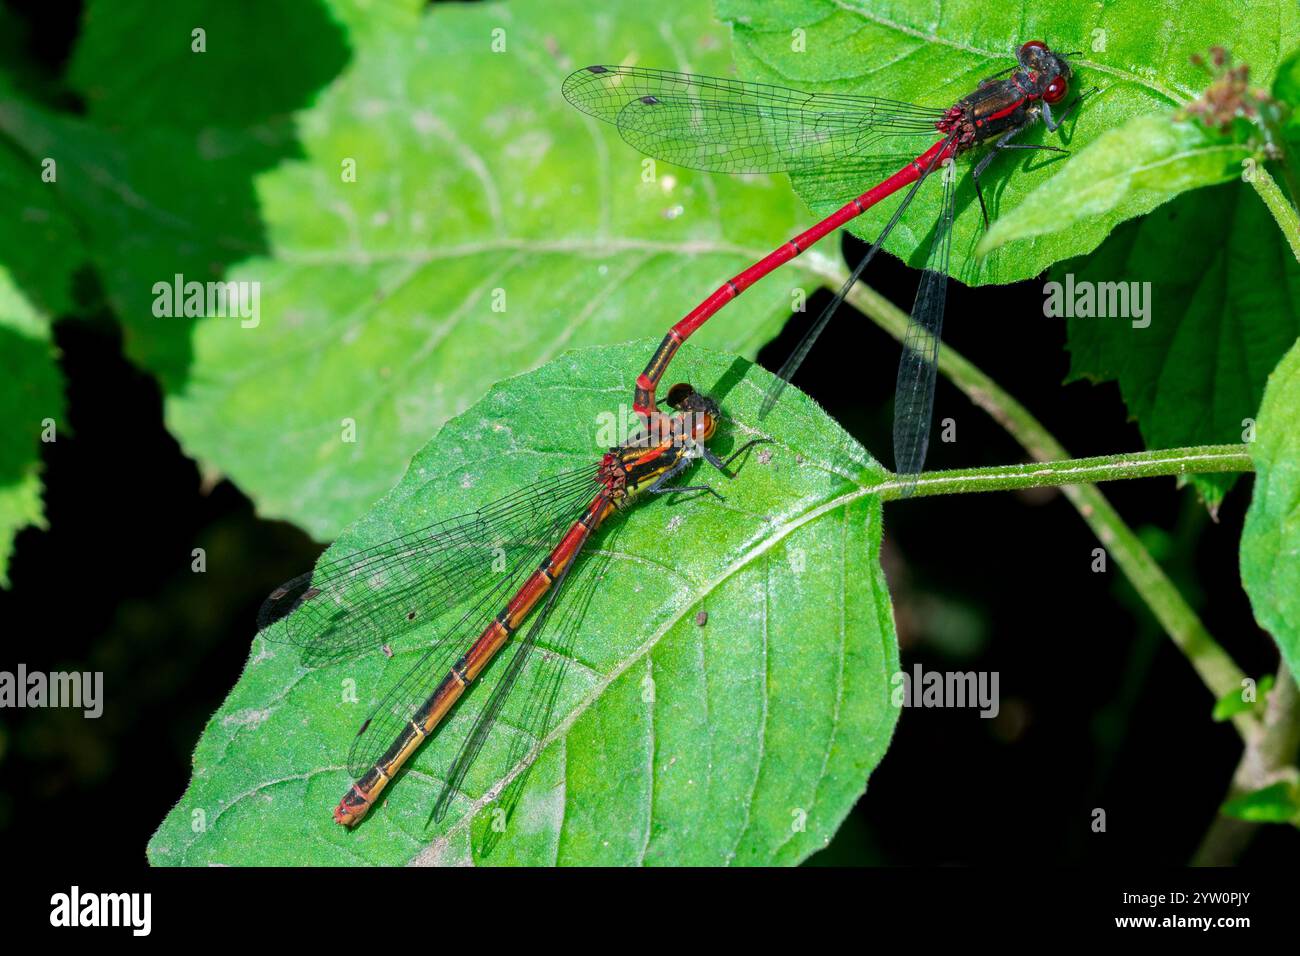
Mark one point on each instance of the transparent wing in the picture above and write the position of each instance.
(918, 367)
(417, 682)
(372, 596)
(725, 125)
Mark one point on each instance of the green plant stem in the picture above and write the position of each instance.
(1141, 464)
(1283, 212)
(1212, 664)
(1267, 757)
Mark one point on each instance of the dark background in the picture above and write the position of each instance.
(1098, 708)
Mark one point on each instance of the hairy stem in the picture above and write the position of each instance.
(1142, 464)
(1215, 667)
(1284, 214)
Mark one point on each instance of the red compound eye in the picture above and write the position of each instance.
(1033, 43)
(1056, 90)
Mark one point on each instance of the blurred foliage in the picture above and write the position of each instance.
(1276, 803)
(1228, 706)
(31, 400)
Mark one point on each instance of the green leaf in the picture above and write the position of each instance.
(490, 227)
(761, 727)
(920, 53)
(1286, 86)
(1270, 541)
(1221, 314)
(1277, 803)
(1286, 90)
(245, 73)
(1123, 173)
(1230, 705)
(31, 392)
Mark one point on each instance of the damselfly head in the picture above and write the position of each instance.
(703, 410)
(1052, 69)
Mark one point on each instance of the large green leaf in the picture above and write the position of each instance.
(1221, 312)
(915, 51)
(490, 227)
(1270, 542)
(763, 723)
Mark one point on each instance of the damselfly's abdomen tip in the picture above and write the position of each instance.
(351, 808)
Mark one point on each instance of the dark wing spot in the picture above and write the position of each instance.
(286, 599)
(597, 69)
(650, 100)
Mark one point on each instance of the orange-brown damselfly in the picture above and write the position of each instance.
(452, 572)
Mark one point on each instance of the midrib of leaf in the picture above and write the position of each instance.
(430, 854)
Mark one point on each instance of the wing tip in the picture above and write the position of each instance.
(284, 600)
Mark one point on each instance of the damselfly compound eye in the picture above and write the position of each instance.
(1056, 90)
(1032, 43)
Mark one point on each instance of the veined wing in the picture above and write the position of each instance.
(918, 367)
(367, 598)
(725, 125)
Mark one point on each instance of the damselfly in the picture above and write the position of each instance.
(725, 125)
(465, 573)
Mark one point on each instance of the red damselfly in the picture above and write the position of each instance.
(475, 579)
(725, 125)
